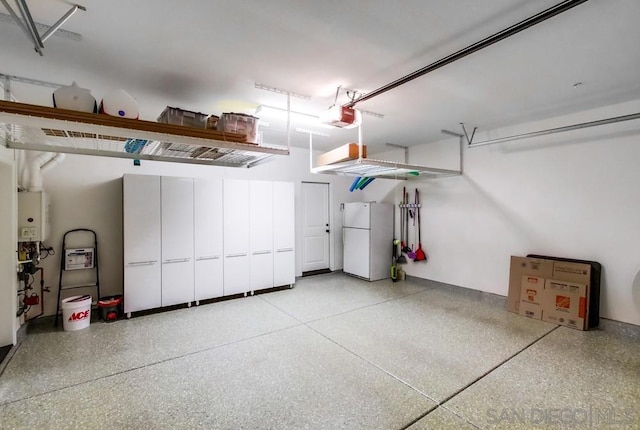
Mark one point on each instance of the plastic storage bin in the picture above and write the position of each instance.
(240, 123)
(177, 116)
(212, 122)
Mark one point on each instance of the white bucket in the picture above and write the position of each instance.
(119, 103)
(76, 312)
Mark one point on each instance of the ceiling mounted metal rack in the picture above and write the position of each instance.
(372, 168)
(572, 127)
(363, 166)
(31, 28)
(41, 128)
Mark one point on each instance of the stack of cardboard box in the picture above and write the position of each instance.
(555, 290)
(350, 151)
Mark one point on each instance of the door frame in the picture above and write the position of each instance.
(300, 232)
(9, 323)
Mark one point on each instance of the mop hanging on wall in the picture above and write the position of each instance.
(411, 210)
(420, 255)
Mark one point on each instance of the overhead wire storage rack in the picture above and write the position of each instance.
(372, 168)
(42, 128)
(383, 169)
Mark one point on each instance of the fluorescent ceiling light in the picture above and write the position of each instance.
(296, 117)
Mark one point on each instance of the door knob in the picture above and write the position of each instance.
(327, 230)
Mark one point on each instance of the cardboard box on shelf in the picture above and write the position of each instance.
(565, 303)
(531, 296)
(350, 151)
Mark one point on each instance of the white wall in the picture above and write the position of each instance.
(573, 194)
(87, 192)
(8, 245)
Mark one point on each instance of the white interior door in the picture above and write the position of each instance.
(315, 228)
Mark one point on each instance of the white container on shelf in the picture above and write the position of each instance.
(119, 103)
(74, 98)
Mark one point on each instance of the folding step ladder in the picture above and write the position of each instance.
(73, 259)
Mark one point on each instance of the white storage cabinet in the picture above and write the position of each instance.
(284, 261)
(177, 241)
(142, 238)
(237, 270)
(194, 239)
(208, 233)
(261, 234)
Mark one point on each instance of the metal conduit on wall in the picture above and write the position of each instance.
(555, 130)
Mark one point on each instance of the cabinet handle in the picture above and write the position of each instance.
(209, 257)
(261, 252)
(236, 255)
(176, 260)
(142, 263)
(285, 250)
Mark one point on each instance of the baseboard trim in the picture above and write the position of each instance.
(315, 272)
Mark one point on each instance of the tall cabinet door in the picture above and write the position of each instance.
(177, 241)
(284, 261)
(208, 238)
(237, 275)
(142, 236)
(261, 231)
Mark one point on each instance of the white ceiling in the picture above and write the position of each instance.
(206, 56)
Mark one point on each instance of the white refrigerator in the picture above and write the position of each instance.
(368, 240)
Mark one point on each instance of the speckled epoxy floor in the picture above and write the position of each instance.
(334, 352)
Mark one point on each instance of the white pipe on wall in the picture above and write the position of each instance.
(23, 171)
(57, 159)
(35, 175)
(40, 164)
